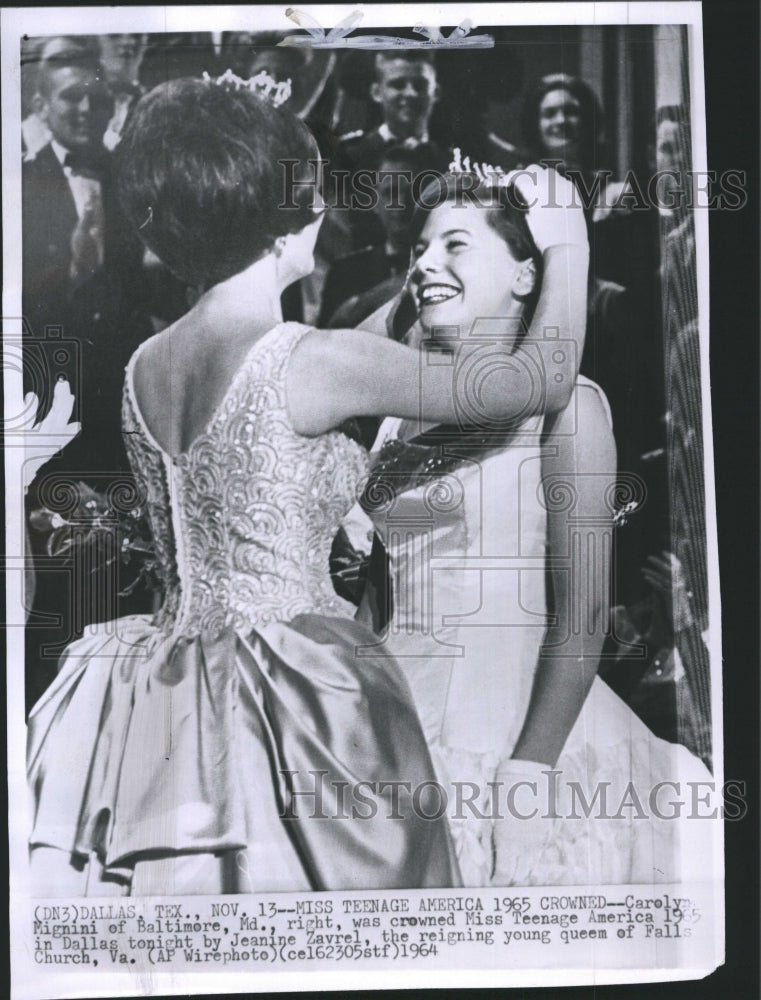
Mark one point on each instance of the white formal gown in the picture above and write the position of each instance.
(464, 524)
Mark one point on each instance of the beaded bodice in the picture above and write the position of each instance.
(462, 522)
(244, 519)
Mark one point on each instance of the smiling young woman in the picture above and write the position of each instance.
(486, 235)
(457, 256)
(499, 538)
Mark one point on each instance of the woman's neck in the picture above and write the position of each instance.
(509, 327)
(252, 295)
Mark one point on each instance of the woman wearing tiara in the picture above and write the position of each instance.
(488, 528)
(203, 751)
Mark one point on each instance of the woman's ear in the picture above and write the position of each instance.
(524, 281)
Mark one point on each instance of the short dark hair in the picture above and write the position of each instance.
(408, 55)
(200, 175)
(82, 51)
(506, 213)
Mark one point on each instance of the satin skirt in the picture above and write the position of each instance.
(279, 760)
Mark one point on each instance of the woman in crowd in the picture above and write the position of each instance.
(562, 121)
(180, 754)
(472, 519)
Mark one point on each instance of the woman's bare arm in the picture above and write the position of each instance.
(580, 453)
(337, 374)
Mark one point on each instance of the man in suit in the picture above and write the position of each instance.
(405, 90)
(81, 295)
(81, 263)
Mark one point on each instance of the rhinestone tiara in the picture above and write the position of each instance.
(263, 85)
(485, 172)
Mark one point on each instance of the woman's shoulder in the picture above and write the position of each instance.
(148, 364)
(325, 357)
(150, 387)
(584, 428)
(589, 395)
(586, 418)
(187, 347)
(148, 349)
(158, 353)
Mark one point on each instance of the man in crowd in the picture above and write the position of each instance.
(405, 90)
(81, 297)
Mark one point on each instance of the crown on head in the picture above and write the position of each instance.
(263, 85)
(485, 172)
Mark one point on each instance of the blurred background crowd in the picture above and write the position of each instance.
(609, 104)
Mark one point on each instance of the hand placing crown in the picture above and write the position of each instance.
(555, 214)
(263, 85)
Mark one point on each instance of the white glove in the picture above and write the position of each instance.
(555, 215)
(521, 833)
(53, 432)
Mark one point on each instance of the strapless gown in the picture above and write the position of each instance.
(463, 520)
(217, 746)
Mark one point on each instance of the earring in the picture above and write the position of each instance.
(279, 246)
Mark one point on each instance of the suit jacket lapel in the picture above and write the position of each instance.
(55, 192)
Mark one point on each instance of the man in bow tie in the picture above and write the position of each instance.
(63, 185)
(81, 262)
(405, 90)
(82, 302)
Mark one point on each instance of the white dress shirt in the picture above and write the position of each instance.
(88, 199)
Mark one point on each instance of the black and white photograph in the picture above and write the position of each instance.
(362, 568)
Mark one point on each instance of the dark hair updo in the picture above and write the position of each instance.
(200, 177)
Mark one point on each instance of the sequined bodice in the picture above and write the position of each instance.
(243, 521)
(463, 525)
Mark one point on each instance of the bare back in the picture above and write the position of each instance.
(182, 375)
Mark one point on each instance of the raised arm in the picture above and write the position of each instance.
(555, 339)
(350, 373)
